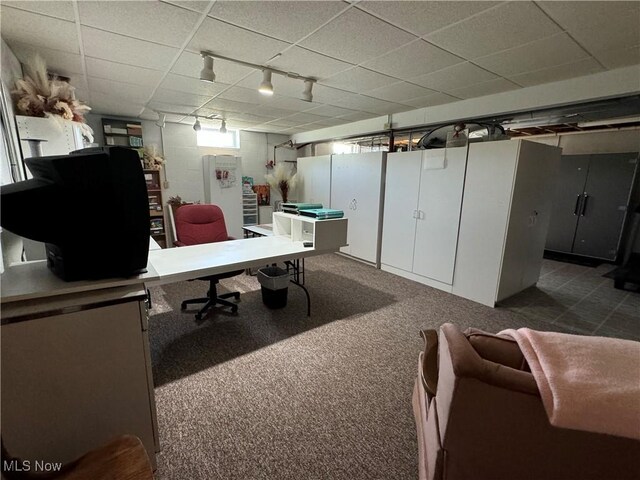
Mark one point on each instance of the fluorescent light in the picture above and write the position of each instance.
(266, 87)
(207, 74)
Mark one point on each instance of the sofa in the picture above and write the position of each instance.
(479, 415)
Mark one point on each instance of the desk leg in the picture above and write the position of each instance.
(307, 294)
(297, 271)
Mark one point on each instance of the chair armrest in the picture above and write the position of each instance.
(177, 243)
(429, 374)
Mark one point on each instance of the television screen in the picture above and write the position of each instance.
(90, 208)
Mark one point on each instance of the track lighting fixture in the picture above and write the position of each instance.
(207, 74)
(266, 87)
(161, 120)
(307, 96)
(223, 126)
(196, 125)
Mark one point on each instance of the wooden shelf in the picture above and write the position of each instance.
(154, 192)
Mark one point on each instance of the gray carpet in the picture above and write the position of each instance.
(274, 394)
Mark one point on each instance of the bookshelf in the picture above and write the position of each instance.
(122, 133)
(156, 207)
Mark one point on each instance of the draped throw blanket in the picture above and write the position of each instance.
(586, 383)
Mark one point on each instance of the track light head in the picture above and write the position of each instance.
(223, 126)
(161, 120)
(207, 74)
(196, 125)
(307, 96)
(266, 87)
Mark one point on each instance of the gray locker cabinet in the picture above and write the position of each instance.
(590, 204)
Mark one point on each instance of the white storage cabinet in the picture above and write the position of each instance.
(357, 188)
(314, 180)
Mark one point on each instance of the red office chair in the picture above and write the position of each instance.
(195, 225)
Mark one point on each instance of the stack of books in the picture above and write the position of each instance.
(297, 208)
(322, 213)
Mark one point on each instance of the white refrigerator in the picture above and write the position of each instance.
(223, 187)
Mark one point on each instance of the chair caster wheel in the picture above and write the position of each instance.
(234, 309)
(183, 306)
(237, 295)
(198, 317)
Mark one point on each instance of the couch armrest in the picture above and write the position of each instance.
(429, 367)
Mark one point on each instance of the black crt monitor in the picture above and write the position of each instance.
(90, 208)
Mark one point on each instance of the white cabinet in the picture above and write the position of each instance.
(357, 188)
(326, 235)
(505, 218)
(423, 197)
(249, 209)
(314, 177)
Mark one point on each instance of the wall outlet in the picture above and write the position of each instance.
(165, 184)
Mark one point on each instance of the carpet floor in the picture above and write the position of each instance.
(274, 394)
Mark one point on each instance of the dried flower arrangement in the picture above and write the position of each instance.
(283, 180)
(37, 95)
(151, 158)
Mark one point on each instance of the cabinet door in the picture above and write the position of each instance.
(340, 195)
(566, 203)
(315, 179)
(440, 200)
(605, 201)
(402, 184)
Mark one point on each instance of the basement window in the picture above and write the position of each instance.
(211, 137)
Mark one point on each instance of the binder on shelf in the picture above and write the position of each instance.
(296, 208)
(322, 213)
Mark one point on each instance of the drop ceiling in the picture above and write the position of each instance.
(370, 58)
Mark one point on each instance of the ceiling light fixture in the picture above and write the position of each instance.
(223, 126)
(266, 87)
(207, 74)
(307, 96)
(162, 118)
(196, 125)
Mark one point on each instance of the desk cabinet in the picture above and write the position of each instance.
(76, 371)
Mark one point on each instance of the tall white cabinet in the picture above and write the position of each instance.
(357, 188)
(505, 218)
(423, 197)
(314, 177)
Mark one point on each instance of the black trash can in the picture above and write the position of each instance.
(274, 282)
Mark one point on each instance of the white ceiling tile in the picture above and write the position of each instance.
(358, 80)
(485, 88)
(180, 98)
(457, 76)
(189, 64)
(326, 122)
(38, 30)
(63, 63)
(370, 104)
(150, 21)
(246, 95)
(323, 94)
(497, 29)
(248, 117)
(356, 36)
(398, 92)
(422, 17)
(169, 107)
(412, 60)
(270, 111)
(121, 49)
(586, 66)
(192, 85)
(545, 53)
(304, 117)
(430, 100)
(286, 20)
(195, 5)
(122, 73)
(282, 122)
(598, 25)
(619, 57)
(234, 42)
(308, 63)
(220, 104)
(124, 91)
(329, 111)
(356, 116)
(113, 105)
(289, 103)
(58, 9)
(149, 115)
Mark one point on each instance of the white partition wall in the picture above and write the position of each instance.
(314, 180)
(423, 197)
(357, 188)
(226, 191)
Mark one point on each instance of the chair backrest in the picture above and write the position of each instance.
(196, 224)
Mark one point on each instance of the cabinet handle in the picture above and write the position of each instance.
(577, 207)
(584, 204)
(415, 214)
